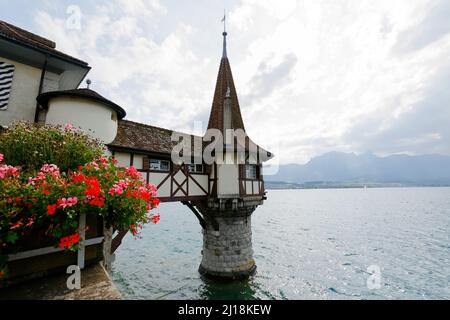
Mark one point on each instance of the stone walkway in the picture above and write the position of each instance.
(95, 285)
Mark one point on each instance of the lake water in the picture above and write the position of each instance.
(308, 244)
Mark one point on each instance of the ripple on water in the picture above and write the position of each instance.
(314, 249)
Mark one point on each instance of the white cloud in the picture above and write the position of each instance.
(313, 76)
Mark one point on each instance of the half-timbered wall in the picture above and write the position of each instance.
(177, 184)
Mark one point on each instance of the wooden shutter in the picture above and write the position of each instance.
(146, 164)
(6, 77)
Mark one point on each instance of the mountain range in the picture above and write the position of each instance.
(337, 168)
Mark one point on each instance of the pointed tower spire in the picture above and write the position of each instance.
(225, 103)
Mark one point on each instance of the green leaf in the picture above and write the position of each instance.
(12, 237)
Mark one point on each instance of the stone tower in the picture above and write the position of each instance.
(236, 186)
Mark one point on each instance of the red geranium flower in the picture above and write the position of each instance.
(67, 242)
(134, 229)
(99, 202)
(78, 177)
(93, 187)
(156, 202)
(155, 218)
(51, 210)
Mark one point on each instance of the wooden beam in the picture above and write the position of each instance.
(197, 214)
(181, 199)
(117, 241)
(48, 250)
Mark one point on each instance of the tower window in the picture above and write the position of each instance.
(251, 172)
(196, 168)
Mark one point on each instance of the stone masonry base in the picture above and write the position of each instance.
(227, 241)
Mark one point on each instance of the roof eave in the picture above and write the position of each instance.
(61, 56)
(44, 99)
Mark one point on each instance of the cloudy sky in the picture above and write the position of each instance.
(312, 76)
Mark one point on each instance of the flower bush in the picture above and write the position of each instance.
(52, 198)
(31, 146)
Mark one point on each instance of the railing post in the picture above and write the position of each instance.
(82, 249)
(107, 254)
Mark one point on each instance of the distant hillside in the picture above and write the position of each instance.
(336, 168)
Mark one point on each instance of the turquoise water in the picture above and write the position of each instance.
(308, 244)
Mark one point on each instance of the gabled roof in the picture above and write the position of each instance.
(145, 138)
(44, 98)
(31, 40)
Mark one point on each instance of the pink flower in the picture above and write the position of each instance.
(51, 169)
(17, 225)
(115, 190)
(152, 190)
(8, 171)
(119, 187)
(2, 157)
(67, 203)
(104, 161)
(30, 222)
(132, 171)
(46, 169)
(69, 127)
(93, 165)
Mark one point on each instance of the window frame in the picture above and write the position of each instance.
(160, 162)
(246, 171)
(196, 166)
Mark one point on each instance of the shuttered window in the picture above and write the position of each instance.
(6, 77)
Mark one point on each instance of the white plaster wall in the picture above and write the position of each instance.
(123, 159)
(51, 82)
(253, 159)
(156, 179)
(95, 118)
(194, 189)
(228, 176)
(248, 187)
(138, 161)
(24, 90)
(255, 187)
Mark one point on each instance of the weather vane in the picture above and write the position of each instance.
(224, 20)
